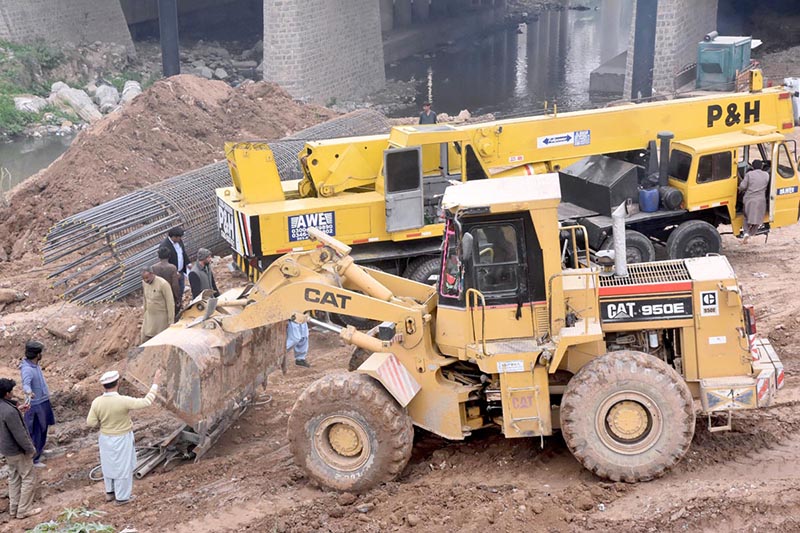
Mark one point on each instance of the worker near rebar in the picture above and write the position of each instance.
(39, 416)
(428, 116)
(18, 449)
(159, 305)
(754, 186)
(201, 278)
(297, 339)
(169, 273)
(177, 254)
(111, 412)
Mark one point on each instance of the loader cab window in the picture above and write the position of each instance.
(496, 259)
(714, 167)
(679, 164)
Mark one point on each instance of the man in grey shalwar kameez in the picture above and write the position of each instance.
(117, 449)
(754, 186)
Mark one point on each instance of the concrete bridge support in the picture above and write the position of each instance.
(402, 13)
(421, 10)
(320, 50)
(680, 25)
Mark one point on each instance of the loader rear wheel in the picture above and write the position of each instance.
(693, 238)
(349, 434)
(627, 416)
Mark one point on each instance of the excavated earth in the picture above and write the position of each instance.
(744, 480)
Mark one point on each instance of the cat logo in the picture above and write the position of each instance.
(620, 311)
(329, 298)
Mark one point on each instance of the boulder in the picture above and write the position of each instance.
(107, 97)
(221, 74)
(75, 99)
(131, 90)
(29, 103)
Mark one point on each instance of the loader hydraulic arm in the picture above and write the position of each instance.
(326, 279)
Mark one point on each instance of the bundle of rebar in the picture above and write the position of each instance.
(98, 254)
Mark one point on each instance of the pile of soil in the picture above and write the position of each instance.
(177, 125)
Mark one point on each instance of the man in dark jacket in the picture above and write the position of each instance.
(17, 447)
(200, 276)
(177, 254)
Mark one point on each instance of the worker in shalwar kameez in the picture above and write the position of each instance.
(159, 305)
(111, 412)
(297, 339)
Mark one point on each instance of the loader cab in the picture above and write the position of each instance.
(493, 280)
(708, 171)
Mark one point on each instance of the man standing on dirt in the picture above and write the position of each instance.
(39, 416)
(297, 339)
(754, 186)
(117, 448)
(177, 254)
(16, 446)
(201, 277)
(169, 273)
(159, 305)
(427, 116)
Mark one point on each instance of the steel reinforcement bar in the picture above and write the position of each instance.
(98, 254)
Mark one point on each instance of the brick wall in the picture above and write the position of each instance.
(680, 25)
(318, 49)
(64, 21)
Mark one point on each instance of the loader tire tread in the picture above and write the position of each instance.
(623, 370)
(360, 397)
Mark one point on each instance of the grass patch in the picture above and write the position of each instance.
(13, 121)
(74, 521)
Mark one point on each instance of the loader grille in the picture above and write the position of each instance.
(643, 273)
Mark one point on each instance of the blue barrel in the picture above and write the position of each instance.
(648, 200)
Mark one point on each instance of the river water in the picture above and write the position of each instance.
(22, 158)
(515, 71)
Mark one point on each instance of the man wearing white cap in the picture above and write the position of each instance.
(117, 451)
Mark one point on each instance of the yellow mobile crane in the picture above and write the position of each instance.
(380, 194)
(509, 338)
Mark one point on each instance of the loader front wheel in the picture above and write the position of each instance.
(349, 434)
(627, 416)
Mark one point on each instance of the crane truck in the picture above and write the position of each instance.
(380, 194)
(509, 338)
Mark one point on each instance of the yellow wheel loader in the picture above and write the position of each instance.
(509, 338)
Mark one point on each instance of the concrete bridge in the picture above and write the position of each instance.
(325, 49)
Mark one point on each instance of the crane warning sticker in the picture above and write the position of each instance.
(709, 303)
(299, 224)
(575, 138)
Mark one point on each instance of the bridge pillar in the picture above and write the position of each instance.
(421, 10)
(387, 15)
(402, 13)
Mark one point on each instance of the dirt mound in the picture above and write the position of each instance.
(179, 124)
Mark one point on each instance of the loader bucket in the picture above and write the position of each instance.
(209, 376)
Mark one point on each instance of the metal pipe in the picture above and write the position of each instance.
(325, 325)
(644, 49)
(620, 247)
(664, 138)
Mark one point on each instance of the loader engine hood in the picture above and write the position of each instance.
(664, 290)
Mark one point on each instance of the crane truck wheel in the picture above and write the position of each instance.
(638, 248)
(349, 434)
(424, 270)
(693, 238)
(627, 416)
